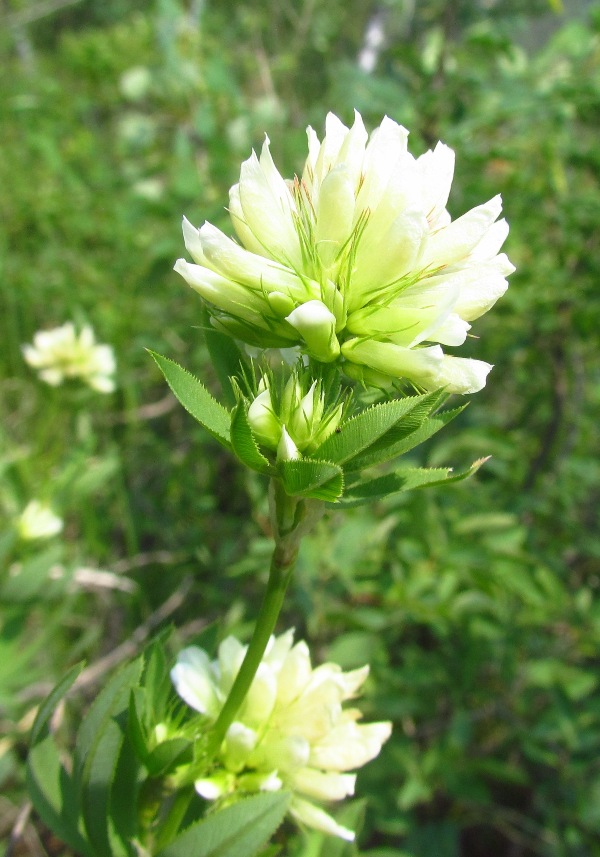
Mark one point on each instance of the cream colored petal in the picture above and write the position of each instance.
(321, 785)
(194, 682)
(229, 660)
(223, 293)
(461, 375)
(420, 365)
(238, 219)
(452, 331)
(386, 148)
(437, 170)
(352, 151)
(335, 134)
(295, 674)
(286, 753)
(192, 242)
(490, 244)
(233, 262)
(310, 815)
(350, 745)
(267, 207)
(260, 699)
(454, 243)
(386, 257)
(335, 214)
(278, 650)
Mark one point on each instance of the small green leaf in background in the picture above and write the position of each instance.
(97, 751)
(50, 787)
(195, 398)
(237, 831)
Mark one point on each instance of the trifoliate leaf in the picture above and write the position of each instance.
(195, 398)
(236, 831)
(361, 431)
(404, 480)
(408, 434)
(320, 480)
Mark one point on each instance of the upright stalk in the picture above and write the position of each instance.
(291, 518)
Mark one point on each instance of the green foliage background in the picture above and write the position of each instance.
(477, 606)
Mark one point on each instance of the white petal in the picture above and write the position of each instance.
(295, 674)
(491, 243)
(223, 293)
(267, 206)
(454, 243)
(462, 375)
(452, 331)
(352, 151)
(437, 171)
(194, 682)
(321, 785)
(192, 242)
(349, 745)
(260, 699)
(335, 213)
(307, 813)
(386, 147)
(420, 365)
(387, 256)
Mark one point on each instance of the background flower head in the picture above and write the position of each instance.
(62, 353)
(357, 260)
(292, 730)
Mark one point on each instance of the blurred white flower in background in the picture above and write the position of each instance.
(291, 732)
(38, 521)
(356, 261)
(61, 353)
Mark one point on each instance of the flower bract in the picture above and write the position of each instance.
(292, 731)
(356, 261)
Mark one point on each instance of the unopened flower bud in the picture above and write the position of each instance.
(316, 324)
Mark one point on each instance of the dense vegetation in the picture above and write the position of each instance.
(478, 607)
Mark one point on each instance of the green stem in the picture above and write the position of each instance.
(291, 518)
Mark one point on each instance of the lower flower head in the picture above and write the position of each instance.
(62, 353)
(292, 730)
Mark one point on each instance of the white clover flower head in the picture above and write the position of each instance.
(357, 261)
(38, 521)
(61, 353)
(292, 731)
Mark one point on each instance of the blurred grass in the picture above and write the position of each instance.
(477, 607)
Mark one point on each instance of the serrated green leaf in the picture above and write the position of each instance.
(236, 831)
(320, 480)
(363, 430)
(50, 787)
(404, 480)
(243, 442)
(97, 750)
(227, 359)
(195, 398)
(164, 757)
(415, 434)
(124, 810)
